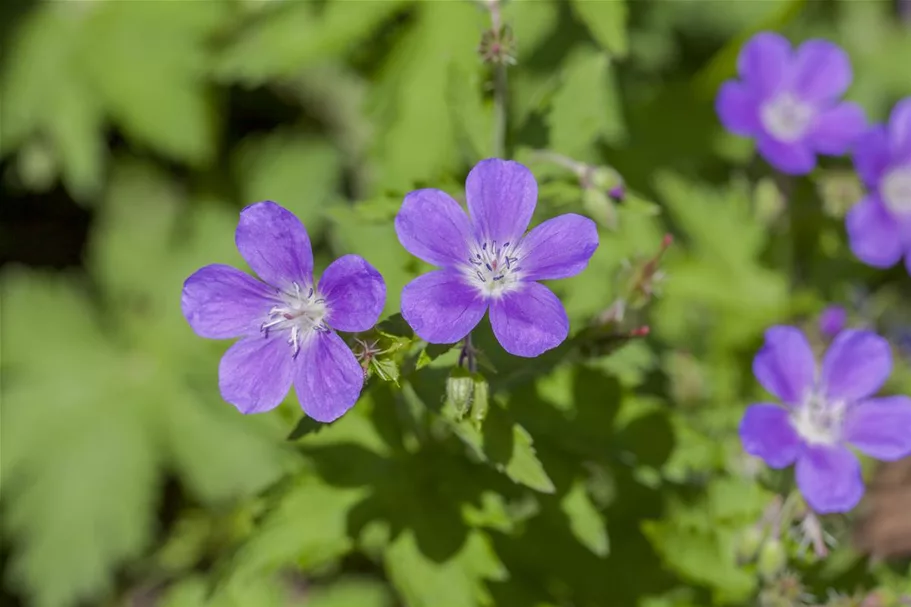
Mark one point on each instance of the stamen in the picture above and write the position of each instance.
(481, 276)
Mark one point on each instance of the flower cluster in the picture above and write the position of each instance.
(788, 100)
(287, 321)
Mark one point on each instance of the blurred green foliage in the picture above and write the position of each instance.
(607, 472)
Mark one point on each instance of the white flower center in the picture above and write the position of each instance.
(786, 117)
(301, 313)
(493, 268)
(896, 190)
(818, 421)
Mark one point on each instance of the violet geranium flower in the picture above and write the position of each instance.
(285, 323)
(487, 260)
(825, 410)
(788, 101)
(879, 226)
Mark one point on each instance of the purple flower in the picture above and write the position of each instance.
(487, 260)
(832, 320)
(788, 101)
(286, 321)
(825, 410)
(879, 226)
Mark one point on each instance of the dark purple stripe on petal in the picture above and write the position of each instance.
(275, 244)
(529, 321)
(433, 227)
(327, 377)
(502, 195)
(255, 373)
(558, 248)
(221, 302)
(355, 293)
(441, 307)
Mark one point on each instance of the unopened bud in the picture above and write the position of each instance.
(599, 207)
(604, 178)
(459, 392)
(480, 403)
(617, 193)
(772, 558)
(748, 544)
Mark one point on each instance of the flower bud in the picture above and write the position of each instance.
(460, 392)
(748, 544)
(599, 207)
(772, 558)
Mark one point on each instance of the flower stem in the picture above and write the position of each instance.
(499, 87)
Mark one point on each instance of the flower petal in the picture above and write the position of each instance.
(255, 373)
(829, 479)
(766, 432)
(221, 302)
(275, 244)
(871, 155)
(874, 235)
(558, 248)
(355, 293)
(836, 129)
(794, 158)
(821, 71)
(441, 307)
(763, 60)
(881, 427)
(785, 365)
(856, 365)
(832, 320)
(327, 377)
(738, 109)
(502, 195)
(433, 227)
(900, 129)
(529, 321)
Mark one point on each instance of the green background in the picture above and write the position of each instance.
(133, 131)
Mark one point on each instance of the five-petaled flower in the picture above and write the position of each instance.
(286, 321)
(487, 260)
(879, 226)
(788, 101)
(826, 409)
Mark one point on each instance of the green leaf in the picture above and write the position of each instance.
(456, 582)
(301, 174)
(473, 121)
(417, 138)
(146, 62)
(607, 23)
(584, 520)
(586, 108)
(79, 461)
(386, 368)
(431, 353)
(44, 92)
(351, 591)
(533, 21)
(293, 37)
(306, 525)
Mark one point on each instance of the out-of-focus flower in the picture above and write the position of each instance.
(286, 321)
(832, 320)
(879, 226)
(788, 100)
(826, 409)
(487, 260)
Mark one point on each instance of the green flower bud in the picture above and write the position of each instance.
(772, 558)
